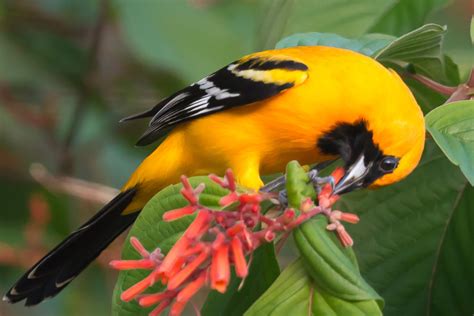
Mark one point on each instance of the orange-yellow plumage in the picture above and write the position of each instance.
(339, 86)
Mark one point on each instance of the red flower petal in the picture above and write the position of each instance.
(344, 236)
(178, 213)
(173, 255)
(186, 183)
(157, 311)
(269, 235)
(182, 275)
(350, 218)
(229, 175)
(250, 198)
(217, 180)
(177, 308)
(185, 294)
(199, 225)
(229, 199)
(139, 247)
(234, 230)
(220, 269)
(241, 268)
(152, 299)
(189, 195)
(132, 264)
(138, 288)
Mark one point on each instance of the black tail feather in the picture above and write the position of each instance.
(62, 264)
(147, 113)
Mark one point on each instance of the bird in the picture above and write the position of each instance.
(305, 103)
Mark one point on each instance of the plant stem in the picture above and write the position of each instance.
(433, 85)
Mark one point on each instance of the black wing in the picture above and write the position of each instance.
(248, 80)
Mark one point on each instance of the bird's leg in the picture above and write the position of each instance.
(319, 182)
(283, 198)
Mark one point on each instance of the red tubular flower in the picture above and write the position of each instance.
(234, 230)
(228, 199)
(199, 225)
(182, 275)
(350, 218)
(218, 180)
(241, 268)
(160, 308)
(137, 245)
(178, 266)
(152, 299)
(132, 264)
(269, 235)
(220, 269)
(229, 175)
(187, 292)
(177, 308)
(173, 255)
(178, 213)
(138, 288)
(288, 215)
(189, 195)
(344, 236)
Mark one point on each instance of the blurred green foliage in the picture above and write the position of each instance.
(70, 69)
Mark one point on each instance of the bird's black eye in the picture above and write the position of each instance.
(388, 164)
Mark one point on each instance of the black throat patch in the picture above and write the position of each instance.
(349, 141)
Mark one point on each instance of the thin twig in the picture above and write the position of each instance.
(84, 90)
(22, 112)
(85, 190)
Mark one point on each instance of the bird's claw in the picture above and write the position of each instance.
(319, 182)
(283, 198)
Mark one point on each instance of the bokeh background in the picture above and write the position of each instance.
(70, 69)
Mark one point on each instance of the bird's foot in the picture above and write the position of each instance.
(320, 182)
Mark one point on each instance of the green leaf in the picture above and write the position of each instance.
(263, 271)
(405, 15)
(288, 295)
(414, 239)
(453, 279)
(452, 127)
(153, 232)
(420, 48)
(329, 265)
(294, 293)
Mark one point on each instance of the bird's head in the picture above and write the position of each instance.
(375, 155)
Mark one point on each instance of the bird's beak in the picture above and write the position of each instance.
(353, 178)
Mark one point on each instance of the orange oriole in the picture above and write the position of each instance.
(306, 103)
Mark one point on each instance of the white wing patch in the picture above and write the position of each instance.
(211, 90)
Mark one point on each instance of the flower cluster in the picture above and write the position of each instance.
(218, 239)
